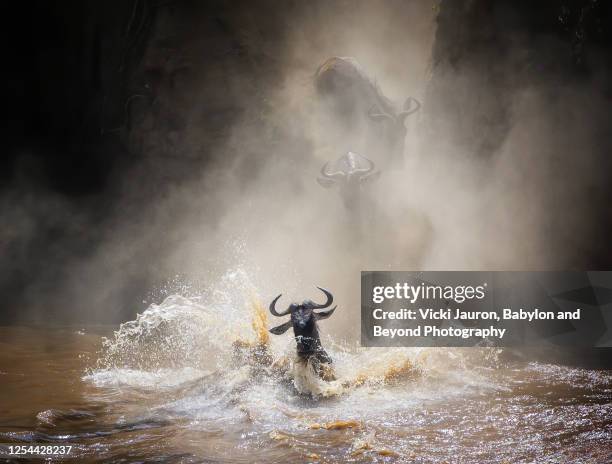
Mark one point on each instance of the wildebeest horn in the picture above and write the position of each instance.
(367, 170)
(407, 108)
(325, 314)
(330, 175)
(330, 299)
(273, 308)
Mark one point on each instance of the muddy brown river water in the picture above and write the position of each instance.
(164, 389)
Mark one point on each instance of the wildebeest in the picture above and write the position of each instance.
(305, 329)
(361, 112)
(349, 174)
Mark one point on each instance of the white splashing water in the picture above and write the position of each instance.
(188, 346)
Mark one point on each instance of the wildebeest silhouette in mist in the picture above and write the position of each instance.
(367, 131)
(349, 174)
(356, 106)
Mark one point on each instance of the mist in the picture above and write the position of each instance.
(223, 136)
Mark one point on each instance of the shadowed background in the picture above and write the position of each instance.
(150, 144)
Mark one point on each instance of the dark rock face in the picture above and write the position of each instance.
(489, 58)
(68, 78)
(486, 52)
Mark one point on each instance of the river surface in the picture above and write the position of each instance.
(176, 385)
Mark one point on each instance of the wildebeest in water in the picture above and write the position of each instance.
(361, 118)
(303, 319)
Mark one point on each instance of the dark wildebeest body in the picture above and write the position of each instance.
(304, 322)
(360, 113)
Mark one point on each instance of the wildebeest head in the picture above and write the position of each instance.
(304, 319)
(350, 172)
(343, 86)
(394, 124)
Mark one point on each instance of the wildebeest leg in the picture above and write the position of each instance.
(323, 357)
(322, 365)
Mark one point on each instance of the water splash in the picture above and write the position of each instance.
(224, 332)
(203, 369)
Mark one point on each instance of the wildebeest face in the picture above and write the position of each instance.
(352, 171)
(303, 316)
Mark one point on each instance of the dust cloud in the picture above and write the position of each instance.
(232, 142)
